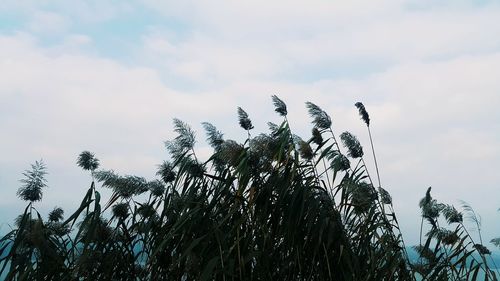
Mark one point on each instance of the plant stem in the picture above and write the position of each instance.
(374, 156)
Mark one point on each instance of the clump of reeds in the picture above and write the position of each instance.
(448, 251)
(276, 207)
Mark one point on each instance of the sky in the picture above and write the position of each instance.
(109, 77)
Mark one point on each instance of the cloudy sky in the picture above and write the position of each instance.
(109, 76)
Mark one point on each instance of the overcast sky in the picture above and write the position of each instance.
(109, 76)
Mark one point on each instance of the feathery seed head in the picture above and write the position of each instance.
(279, 106)
(482, 249)
(430, 207)
(452, 215)
(448, 237)
(385, 197)
(321, 119)
(58, 228)
(33, 182)
(243, 119)
(317, 138)
(262, 145)
(146, 210)
(194, 168)
(261, 151)
(231, 152)
(363, 196)
(495, 241)
(427, 199)
(126, 186)
(166, 172)
(108, 178)
(214, 137)
(87, 161)
(305, 150)
(56, 214)
(120, 210)
(186, 136)
(339, 161)
(132, 185)
(156, 188)
(355, 150)
(363, 113)
(275, 129)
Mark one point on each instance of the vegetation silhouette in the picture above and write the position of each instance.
(276, 207)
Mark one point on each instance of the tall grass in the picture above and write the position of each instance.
(448, 251)
(276, 207)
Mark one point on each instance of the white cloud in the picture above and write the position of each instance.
(85, 11)
(159, 45)
(54, 107)
(231, 41)
(48, 22)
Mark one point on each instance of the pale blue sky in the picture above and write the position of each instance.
(109, 76)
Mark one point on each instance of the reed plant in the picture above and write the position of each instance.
(275, 207)
(448, 251)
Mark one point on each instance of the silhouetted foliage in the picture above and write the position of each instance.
(87, 161)
(275, 207)
(363, 113)
(245, 122)
(33, 182)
